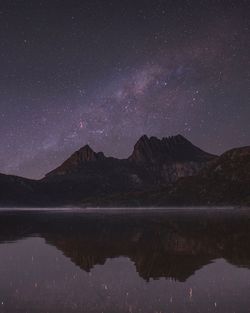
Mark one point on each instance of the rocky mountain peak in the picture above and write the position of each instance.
(86, 154)
(149, 152)
(78, 159)
(177, 148)
(146, 149)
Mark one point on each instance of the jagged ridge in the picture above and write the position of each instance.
(174, 148)
(175, 151)
(87, 175)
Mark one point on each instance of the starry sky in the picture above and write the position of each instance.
(104, 73)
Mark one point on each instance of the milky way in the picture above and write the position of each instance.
(104, 73)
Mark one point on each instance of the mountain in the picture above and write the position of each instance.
(153, 163)
(16, 190)
(166, 159)
(159, 172)
(224, 181)
(77, 159)
(168, 149)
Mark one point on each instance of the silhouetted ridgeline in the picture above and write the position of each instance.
(170, 171)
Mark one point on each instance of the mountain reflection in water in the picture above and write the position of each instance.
(199, 257)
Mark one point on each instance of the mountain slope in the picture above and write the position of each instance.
(76, 160)
(223, 181)
(169, 158)
(153, 163)
(159, 172)
(163, 160)
(226, 180)
(16, 190)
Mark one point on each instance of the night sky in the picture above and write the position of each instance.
(106, 72)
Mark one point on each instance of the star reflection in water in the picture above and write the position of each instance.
(124, 261)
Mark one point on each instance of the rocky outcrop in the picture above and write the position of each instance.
(169, 158)
(168, 149)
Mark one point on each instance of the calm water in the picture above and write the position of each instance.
(115, 261)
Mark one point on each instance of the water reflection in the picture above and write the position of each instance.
(146, 261)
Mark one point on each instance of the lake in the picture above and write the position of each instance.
(111, 261)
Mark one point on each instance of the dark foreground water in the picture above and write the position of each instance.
(115, 261)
